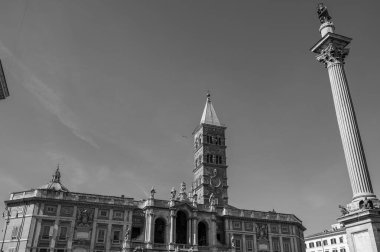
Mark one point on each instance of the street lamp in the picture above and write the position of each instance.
(7, 215)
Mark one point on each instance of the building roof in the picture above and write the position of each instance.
(209, 115)
(55, 183)
(327, 233)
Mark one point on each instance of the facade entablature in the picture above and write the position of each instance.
(271, 216)
(50, 195)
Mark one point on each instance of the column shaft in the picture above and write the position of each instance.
(349, 131)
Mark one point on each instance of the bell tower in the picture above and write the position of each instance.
(210, 169)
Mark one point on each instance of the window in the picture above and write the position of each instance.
(274, 228)
(326, 250)
(276, 244)
(67, 211)
(318, 244)
(311, 245)
(286, 245)
(333, 241)
(46, 232)
(249, 245)
(236, 224)
(116, 236)
(51, 210)
(103, 213)
(15, 232)
(342, 250)
(101, 236)
(284, 229)
(44, 250)
(118, 215)
(62, 233)
(238, 245)
(59, 250)
(341, 239)
(325, 242)
(334, 250)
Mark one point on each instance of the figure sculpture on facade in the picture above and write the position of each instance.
(173, 192)
(152, 192)
(212, 199)
(84, 217)
(182, 193)
(343, 210)
(195, 199)
(262, 231)
(366, 204)
(323, 14)
(126, 236)
(233, 242)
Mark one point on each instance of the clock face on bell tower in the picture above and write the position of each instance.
(210, 169)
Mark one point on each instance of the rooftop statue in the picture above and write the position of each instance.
(323, 14)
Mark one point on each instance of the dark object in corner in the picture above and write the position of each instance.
(4, 93)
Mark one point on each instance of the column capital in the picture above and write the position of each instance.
(332, 54)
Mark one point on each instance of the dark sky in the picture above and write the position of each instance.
(112, 90)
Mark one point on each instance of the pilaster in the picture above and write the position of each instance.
(93, 232)
(109, 230)
(72, 230)
(55, 229)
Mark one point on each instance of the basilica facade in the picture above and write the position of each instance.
(195, 218)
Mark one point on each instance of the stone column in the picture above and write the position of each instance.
(172, 229)
(195, 232)
(213, 231)
(332, 54)
(281, 245)
(149, 228)
(189, 229)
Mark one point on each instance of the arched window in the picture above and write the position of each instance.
(181, 228)
(159, 231)
(202, 234)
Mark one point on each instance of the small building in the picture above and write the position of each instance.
(332, 240)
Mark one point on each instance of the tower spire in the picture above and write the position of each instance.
(57, 175)
(209, 115)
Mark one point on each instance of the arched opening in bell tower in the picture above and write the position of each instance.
(181, 228)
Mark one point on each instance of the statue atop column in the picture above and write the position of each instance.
(323, 14)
